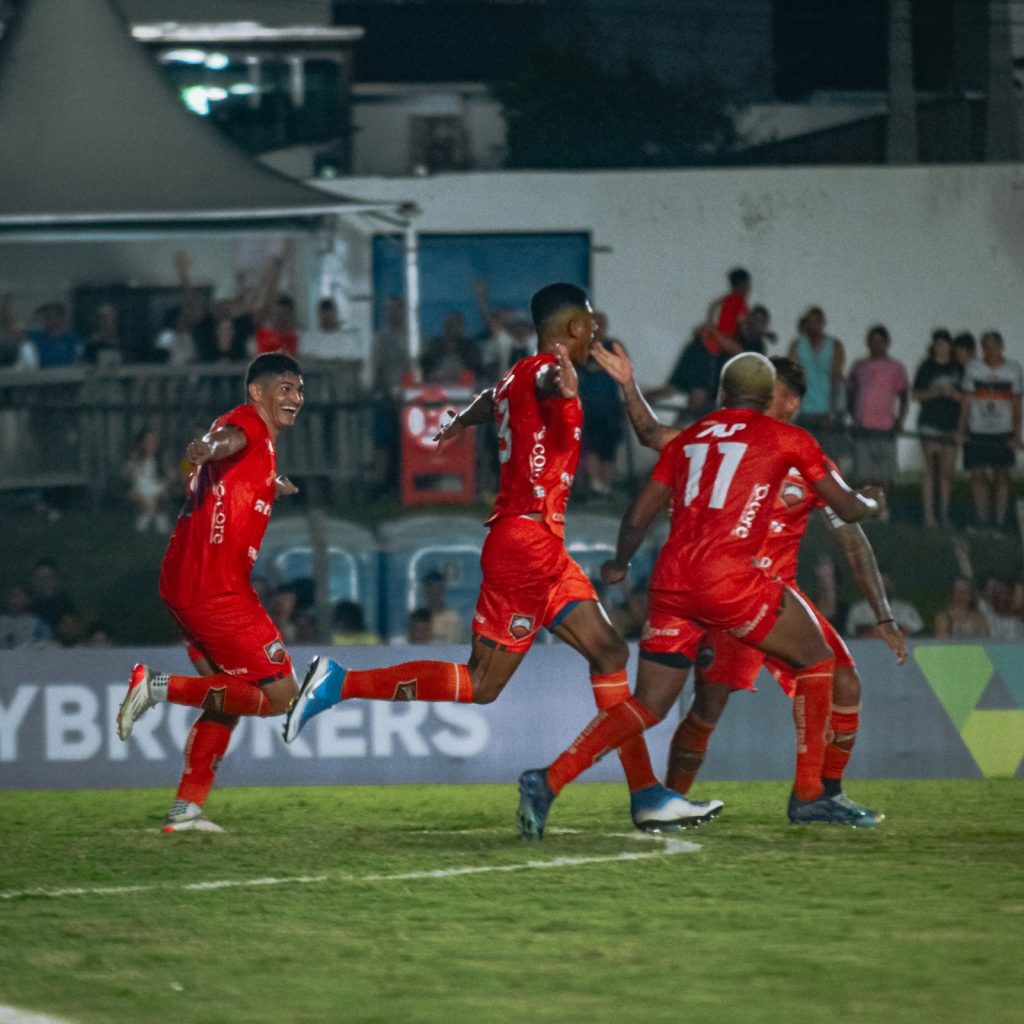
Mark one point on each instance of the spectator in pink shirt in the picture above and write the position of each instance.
(878, 391)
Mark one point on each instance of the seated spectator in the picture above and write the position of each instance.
(450, 356)
(69, 631)
(937, 388)
(603, 420)
(962, 618)
(350, 626)
(19, 625)
(104, 347)
(49, 598)
(752, 334)
(878, 392)
(97, 635)
(446, 625)
(860, 622)
(419, 630)
(150, 483)
(55, 343)
(996, 604)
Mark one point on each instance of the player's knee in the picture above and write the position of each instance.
(608, 654)
(846, 688)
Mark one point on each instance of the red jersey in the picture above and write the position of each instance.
(538, 445)
(219, 532)
(269, 339)
(793, 507)
(725, 471)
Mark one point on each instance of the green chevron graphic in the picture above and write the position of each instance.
(959, 676)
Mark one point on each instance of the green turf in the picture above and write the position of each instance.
(921, 920)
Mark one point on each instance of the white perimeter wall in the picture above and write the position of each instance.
(912, 248)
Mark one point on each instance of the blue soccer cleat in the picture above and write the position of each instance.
(830, 810)
(535, 799)
(660, 809)
(320, 690)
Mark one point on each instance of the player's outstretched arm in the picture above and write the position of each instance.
(851, 506)
(634, 526)
(283, 486)
(650, 431)
(215, 445)
(480, 410)
(861, 558)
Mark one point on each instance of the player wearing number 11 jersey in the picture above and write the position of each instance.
(529, 580)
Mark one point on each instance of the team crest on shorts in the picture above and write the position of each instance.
(520, 626)
(275, 651)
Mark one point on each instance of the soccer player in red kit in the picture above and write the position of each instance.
(529, 579)
(723, 663)
(722, 475)
(205, 581)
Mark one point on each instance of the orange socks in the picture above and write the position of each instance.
(218, 692)
(608, 731)
(811, 704)
(844, 726)
(412, 680)
(686, 752)
(611, 689)
(205, 747)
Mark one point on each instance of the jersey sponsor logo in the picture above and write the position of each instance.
(741, 631)
(262, 507)
(722, 429)
(755, 502)
(540, 492)
(520, 626)
(538, 454)
(275, 651)
(219, 517)
(253, 553)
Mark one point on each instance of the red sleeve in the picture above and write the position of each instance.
(807, 456)
(246, 419)
(665, 469)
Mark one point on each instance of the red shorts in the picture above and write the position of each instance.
(726, 661)
(529, 579)
(678, 619)
(236, 635)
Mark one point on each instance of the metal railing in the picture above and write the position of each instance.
(75, 427)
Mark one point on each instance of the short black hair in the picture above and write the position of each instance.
(791, 373)
(271, 364)
(551, 300)
(738, 276)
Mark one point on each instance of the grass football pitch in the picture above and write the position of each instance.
(417, 904)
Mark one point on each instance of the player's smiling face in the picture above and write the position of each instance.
(279, 400)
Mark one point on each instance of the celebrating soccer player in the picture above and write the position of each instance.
(722, 475)
(529, 578)
(724, 664)
(205, 581)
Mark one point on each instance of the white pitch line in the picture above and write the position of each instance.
(667, 848)
(11, 1015)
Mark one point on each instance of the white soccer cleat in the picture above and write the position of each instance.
(137, 702)
(185, 816)
(660, 809)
